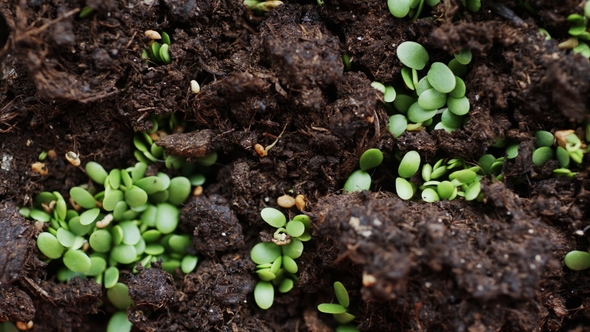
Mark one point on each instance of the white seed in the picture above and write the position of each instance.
(286, 201)
(195, 87)
(153, 35)
(40, 168)
(300, 202)
(73, 158)
(260, 150)
(198, 191)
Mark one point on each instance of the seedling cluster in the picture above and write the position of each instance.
(578, 42)
(564, 146)
(446, 179)
(157, 53)
(413, 8)
(121, 218)
(276, 266)
(435, 101)
(340, 310)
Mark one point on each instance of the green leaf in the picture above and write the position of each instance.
(77, 261)
(166, 218)
(179, 190)
(119, 296)
(273, 217)
(409, 164)
(124, 253)
(119, 322)
(293, 249)
(188, 263)
(295, 228)
(89, 216)
(96, 172)
(441, 77)
(410, 53)
(265, 252)
(404, 189)
(49, 245)
(542, 155)
(357, 181)
(397, 125)
(464, 56)
(264, 294)
(331, 308)
(577, 260)
(341, 294)
(370, 159)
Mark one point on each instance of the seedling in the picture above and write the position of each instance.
(157, 53)
(339, 310)
(361, 180)
(275, 260)
(440, 92)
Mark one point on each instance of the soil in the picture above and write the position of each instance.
(72, 84)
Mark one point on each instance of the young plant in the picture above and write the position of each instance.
(435, 101)
(360, 179)
(340, 310)
(155, 52)
(276, 266)
(123, 218)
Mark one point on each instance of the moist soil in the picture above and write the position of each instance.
(72, 84)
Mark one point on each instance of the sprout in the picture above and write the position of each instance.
(339, 310)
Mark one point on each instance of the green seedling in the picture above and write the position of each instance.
(275, 260)
(577, 260)
(339, 310)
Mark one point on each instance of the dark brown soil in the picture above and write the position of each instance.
(80, 84)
